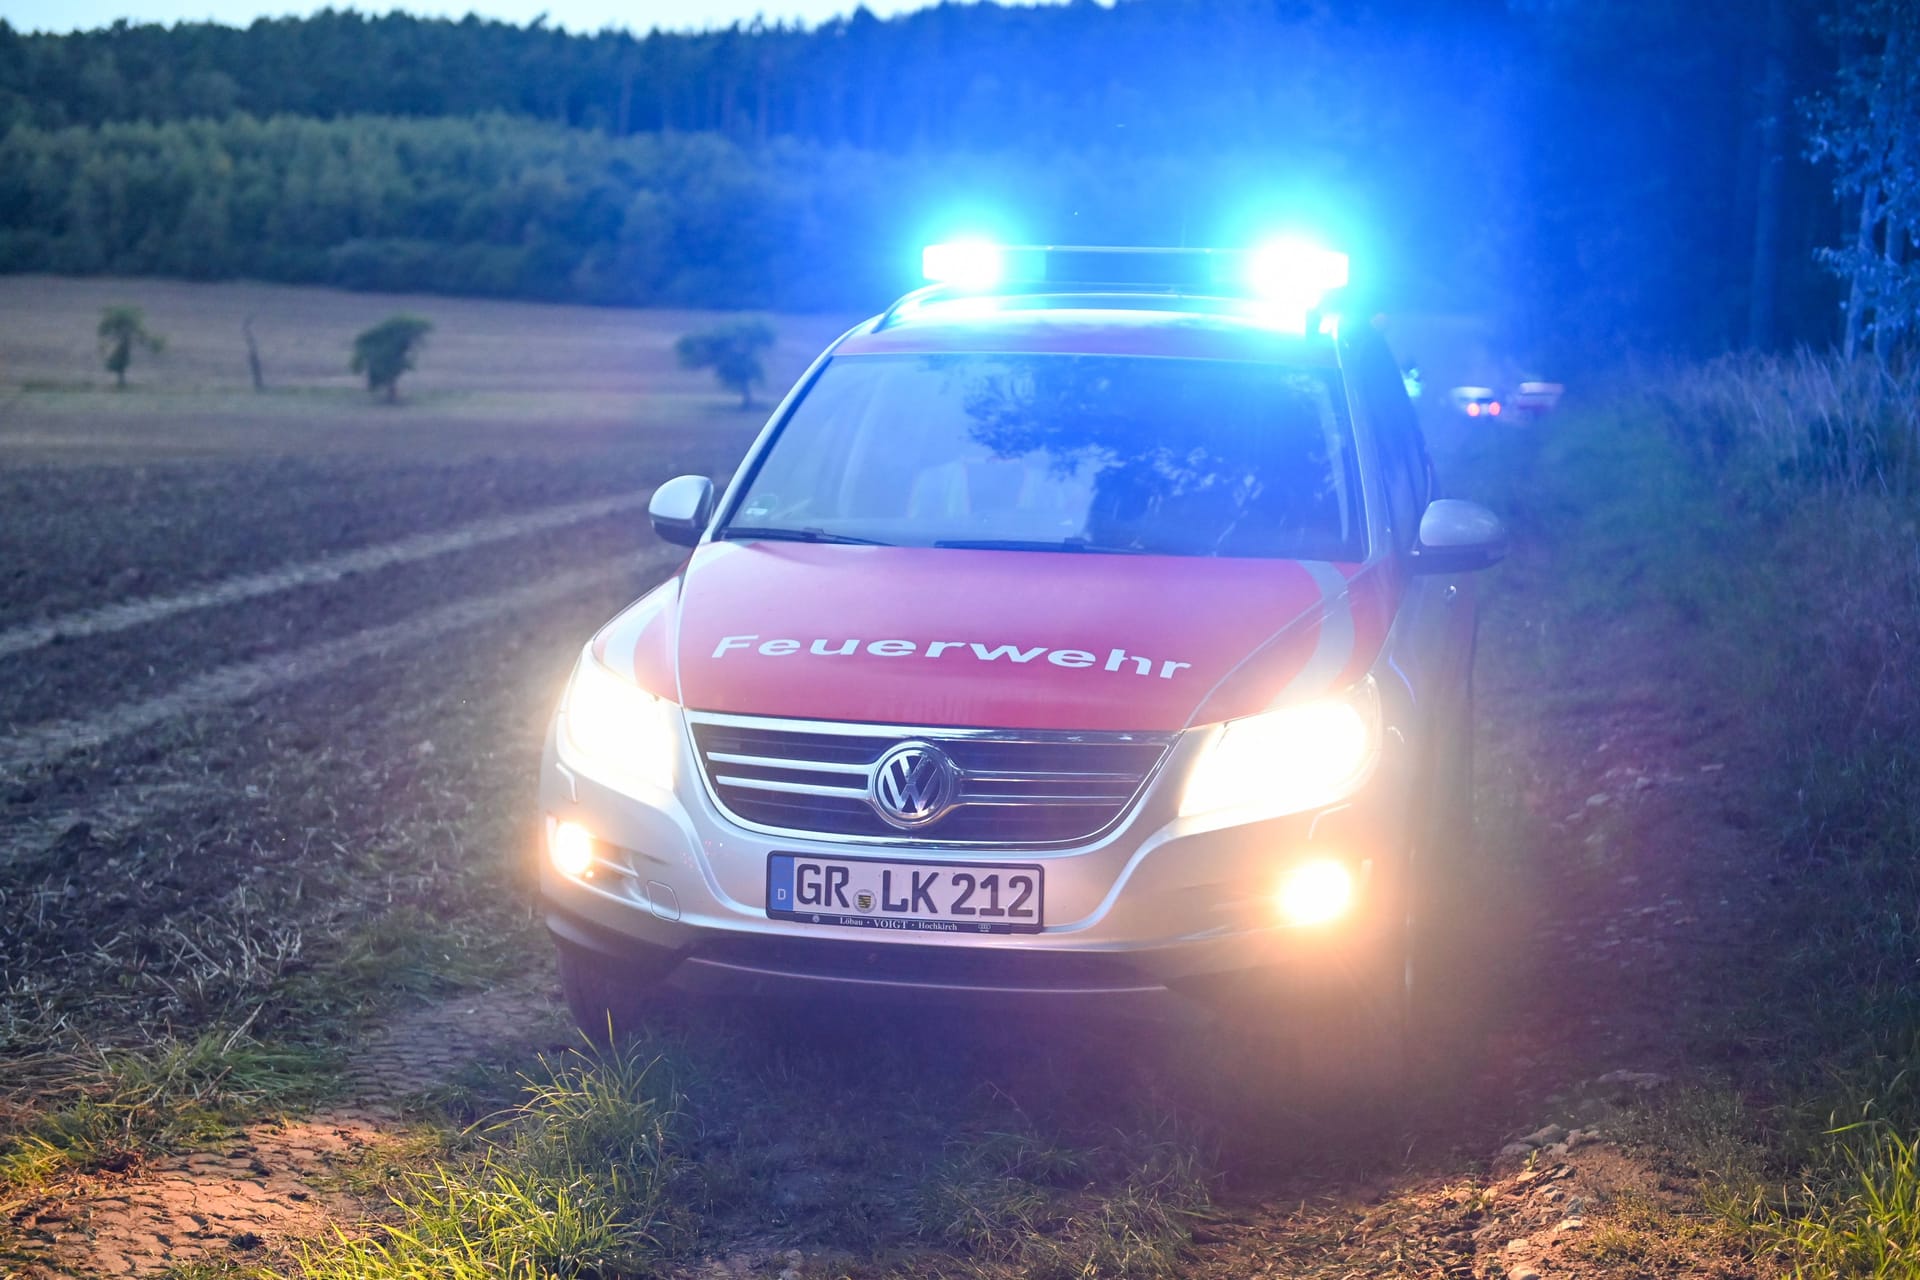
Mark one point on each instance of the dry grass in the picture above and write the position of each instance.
(1791, 424)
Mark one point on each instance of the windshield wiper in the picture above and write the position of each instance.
(771, 533)
(1034, 544)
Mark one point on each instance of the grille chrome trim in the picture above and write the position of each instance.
(793, 776)
(792, 788)
(1043, 775)
(774, 762)
(1020, 802)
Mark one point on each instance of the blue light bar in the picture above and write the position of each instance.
(1293, 273)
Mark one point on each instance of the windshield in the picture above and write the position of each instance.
(1064, 452)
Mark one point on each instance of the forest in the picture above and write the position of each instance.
(502, 206)
(1685, 178)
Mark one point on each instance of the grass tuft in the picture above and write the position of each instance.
(1017, 1200)
(576, 1182)
(1865, 1225)
(124, 1103)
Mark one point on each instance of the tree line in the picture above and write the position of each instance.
(1146, 72)
(492, 207)
(501, 206)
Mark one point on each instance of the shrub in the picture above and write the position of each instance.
(733, 352)
(123, 328)
(386, 351)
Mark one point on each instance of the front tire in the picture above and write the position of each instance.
(1330, 1030)
(1349, 1034)
(611, 1000)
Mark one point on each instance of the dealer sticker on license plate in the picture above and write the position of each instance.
(938, 897)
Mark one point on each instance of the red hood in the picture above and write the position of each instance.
(1000, 639)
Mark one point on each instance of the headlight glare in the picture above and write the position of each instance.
(1284, 761)
(1316, 891)
(570, 845)
(616, 731)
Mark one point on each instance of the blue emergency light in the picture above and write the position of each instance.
(966, 264)
(1294, 269)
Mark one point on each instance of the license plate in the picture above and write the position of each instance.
(934, 897)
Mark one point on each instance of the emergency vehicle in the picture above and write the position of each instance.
(1088, 626)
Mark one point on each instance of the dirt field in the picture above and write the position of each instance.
(273, 674)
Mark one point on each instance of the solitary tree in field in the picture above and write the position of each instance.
(386, 351)
(733, 352)
(121, 330)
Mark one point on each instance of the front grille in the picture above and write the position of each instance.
(1014, 787)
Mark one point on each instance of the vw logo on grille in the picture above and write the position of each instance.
(913, 784)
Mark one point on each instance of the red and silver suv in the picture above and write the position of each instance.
(1088, 627)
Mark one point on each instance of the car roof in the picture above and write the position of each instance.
(1207, 329)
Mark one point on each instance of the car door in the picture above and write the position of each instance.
(1430, 643)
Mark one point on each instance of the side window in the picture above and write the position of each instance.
(1396, 432)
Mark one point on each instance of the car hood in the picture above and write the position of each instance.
(997, 639)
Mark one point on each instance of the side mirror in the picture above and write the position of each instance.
(680, 509)
(1458, 537)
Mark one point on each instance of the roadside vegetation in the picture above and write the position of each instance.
(1755, 517)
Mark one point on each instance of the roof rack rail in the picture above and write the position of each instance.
(1044, 289)
(1290, 272)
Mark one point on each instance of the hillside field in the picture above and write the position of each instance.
(274, 997)
(497, 377)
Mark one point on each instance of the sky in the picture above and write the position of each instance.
(573, 15)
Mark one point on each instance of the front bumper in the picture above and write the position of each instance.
(1159, 906)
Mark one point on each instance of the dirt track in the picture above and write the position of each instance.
(223, 748)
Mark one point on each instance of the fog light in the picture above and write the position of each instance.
(1317, 891)
(571, 847)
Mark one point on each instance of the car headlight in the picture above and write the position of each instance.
(1284, 761)
(616, 731)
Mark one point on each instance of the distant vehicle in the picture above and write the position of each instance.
(1530, 401)
(1537, 399)
(1085, 628)
(1477, 402)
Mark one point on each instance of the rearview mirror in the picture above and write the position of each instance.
(680, 509)
(1458, 537)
